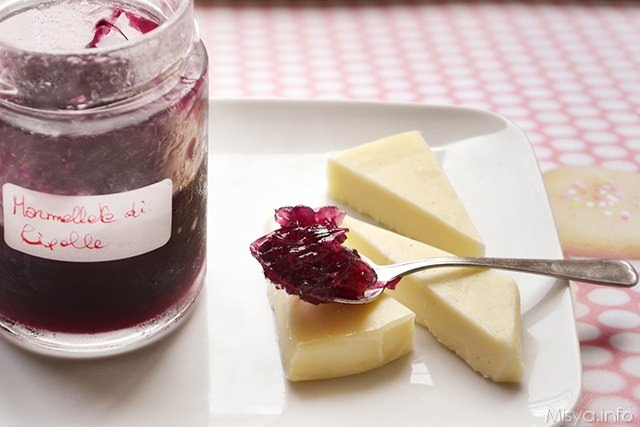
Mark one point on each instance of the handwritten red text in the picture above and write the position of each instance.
(31, 236)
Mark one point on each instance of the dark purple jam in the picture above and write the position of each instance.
(161, 139)
(104, 26)
(306, 256)
(102, 296)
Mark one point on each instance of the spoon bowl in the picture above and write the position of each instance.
(605, 272)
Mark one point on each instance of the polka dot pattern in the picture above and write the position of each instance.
(609, 332)
(567, 72)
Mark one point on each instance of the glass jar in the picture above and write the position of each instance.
(103, 171)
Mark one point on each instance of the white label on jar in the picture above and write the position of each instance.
(87, 228)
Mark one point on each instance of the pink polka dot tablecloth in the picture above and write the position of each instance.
(567, 72)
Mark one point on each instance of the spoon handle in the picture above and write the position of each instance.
(600, 272)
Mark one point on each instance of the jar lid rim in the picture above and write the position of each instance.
(184, 7)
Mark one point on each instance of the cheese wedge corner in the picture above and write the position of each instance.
(399, 183)
(335, 340)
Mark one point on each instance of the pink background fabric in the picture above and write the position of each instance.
(567, 72)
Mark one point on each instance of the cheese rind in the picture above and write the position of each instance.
(474, 312)
(334, 340)
(399, 183)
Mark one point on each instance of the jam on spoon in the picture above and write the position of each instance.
(306, 256)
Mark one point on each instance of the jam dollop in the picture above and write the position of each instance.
(104, 26)
(306, 256)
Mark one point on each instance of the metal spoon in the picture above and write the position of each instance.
(599, 272)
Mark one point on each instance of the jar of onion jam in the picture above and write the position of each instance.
(103, 171)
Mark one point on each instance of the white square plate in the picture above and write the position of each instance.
(268, 154)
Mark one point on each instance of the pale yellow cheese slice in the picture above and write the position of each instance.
(474, 312)
(398, 182)
(335, 340)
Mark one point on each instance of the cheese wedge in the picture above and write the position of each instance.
(474, 312)
(335, 340)
(399, 183)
